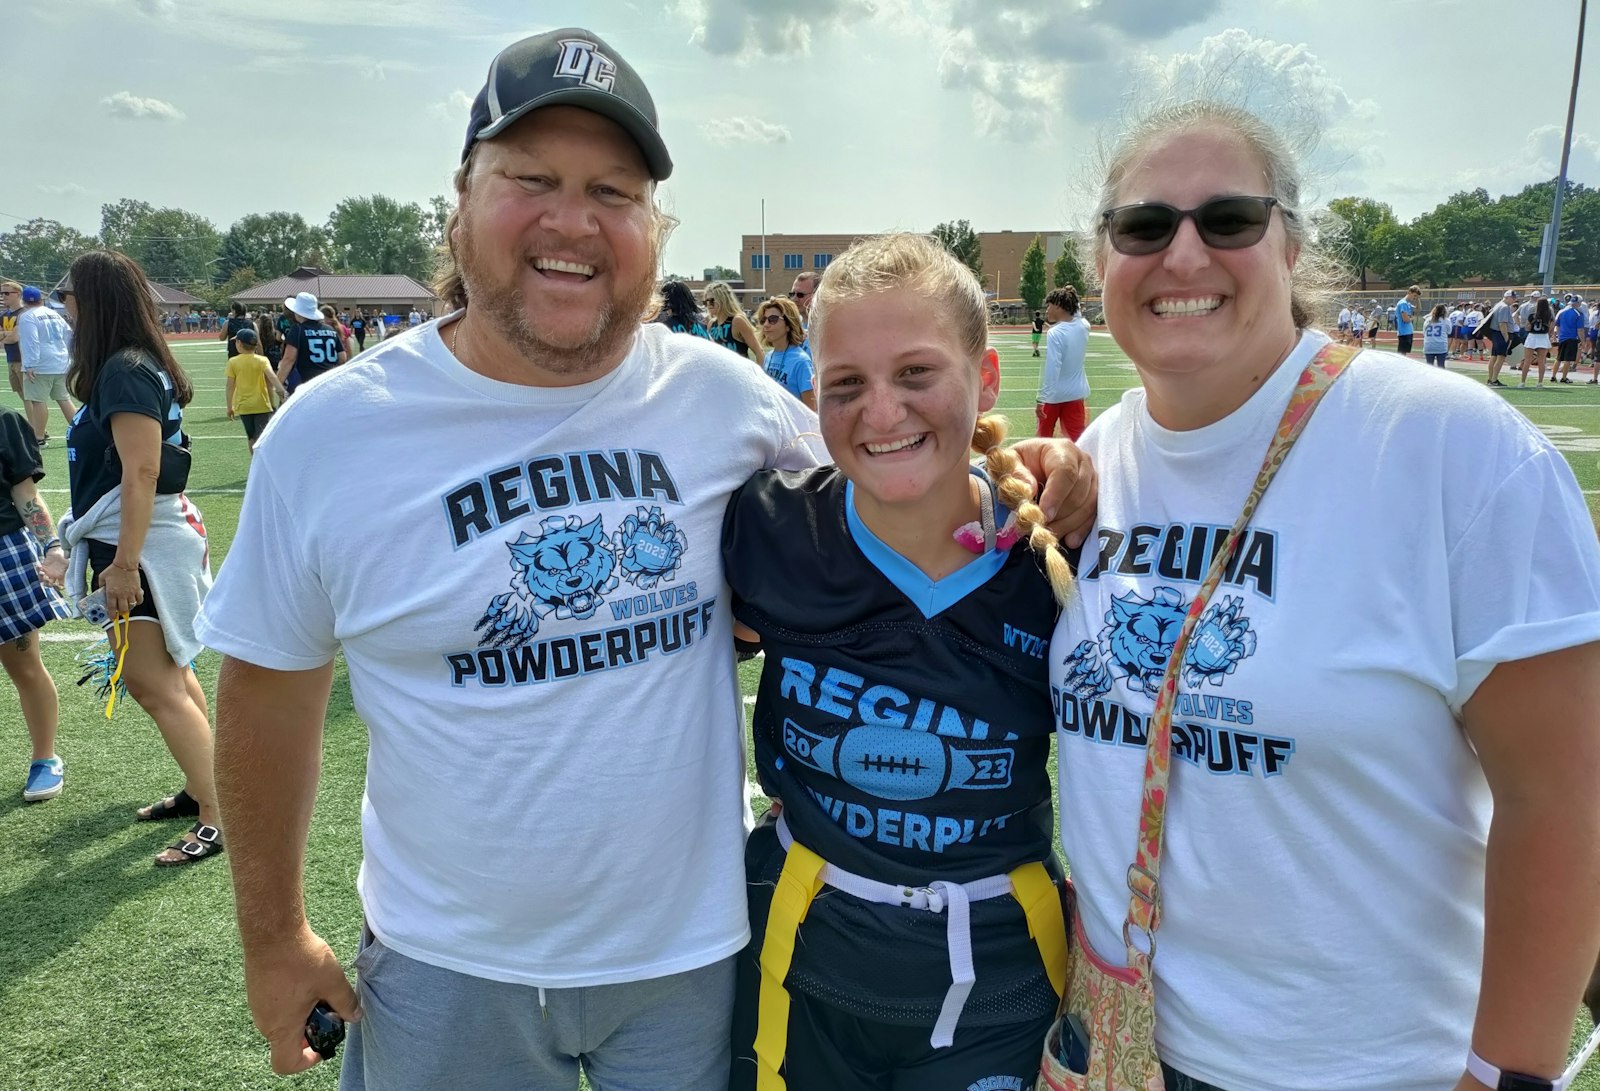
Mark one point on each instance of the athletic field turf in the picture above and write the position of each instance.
(115, 975)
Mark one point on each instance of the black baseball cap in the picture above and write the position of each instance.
(567, 67)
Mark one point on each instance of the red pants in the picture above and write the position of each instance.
(1073, 417)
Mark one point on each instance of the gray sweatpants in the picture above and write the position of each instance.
(424, 1028)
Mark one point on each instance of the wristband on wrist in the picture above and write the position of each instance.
(134, 567)
(53, 543)
(1501, 1080)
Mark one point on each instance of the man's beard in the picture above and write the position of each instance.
(502, 305)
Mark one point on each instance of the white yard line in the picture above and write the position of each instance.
(187, 492)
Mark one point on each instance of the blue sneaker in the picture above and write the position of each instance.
(45, 779)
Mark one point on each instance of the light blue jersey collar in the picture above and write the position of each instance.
(931, 597)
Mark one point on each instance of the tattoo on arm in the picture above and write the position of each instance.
(36, 519)
(21, 643)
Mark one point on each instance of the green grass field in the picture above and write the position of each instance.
(114, 974)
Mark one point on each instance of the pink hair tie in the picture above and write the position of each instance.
(980, 535)
(970, 535)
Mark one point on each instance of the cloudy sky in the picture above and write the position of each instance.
(845, 115)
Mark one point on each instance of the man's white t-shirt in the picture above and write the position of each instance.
(1063, 378)
(1322, 884)
(43, 336)
(526, 583)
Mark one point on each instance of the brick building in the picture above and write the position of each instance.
(788, 255)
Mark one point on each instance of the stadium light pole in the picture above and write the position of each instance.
(1566, 150)
(764, 261)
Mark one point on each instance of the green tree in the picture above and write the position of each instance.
(271, 243)
(1361, 216)
(722, 272)
(1408, 253)
(959, 238)
(220, 295)
(1068, 270)
(40, 251)
(378, 234)
(435, 219)
(1480, 237)
(1031, 285)
(173, 245)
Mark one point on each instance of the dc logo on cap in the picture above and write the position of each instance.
(580, 60)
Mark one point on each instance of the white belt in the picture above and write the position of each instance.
(933, 898)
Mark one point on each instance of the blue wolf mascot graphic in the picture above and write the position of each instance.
(566, 569)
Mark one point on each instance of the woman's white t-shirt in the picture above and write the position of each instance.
(1322, 887)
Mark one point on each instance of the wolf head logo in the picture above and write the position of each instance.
(566, 569)
(1140, 634)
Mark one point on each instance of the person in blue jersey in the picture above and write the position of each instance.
(728, 326)
(902, 716)
(132, 528)
(788, 359)
(1569, 334)
(1405, 316)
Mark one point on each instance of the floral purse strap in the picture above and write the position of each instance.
(1144, 905)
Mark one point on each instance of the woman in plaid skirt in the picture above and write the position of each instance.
(32, 566)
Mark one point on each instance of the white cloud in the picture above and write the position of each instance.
(744, 130)
(127, 104)
(1538, 161)
(1026, 60)
(1285, 85)
(374, 69)
(760, 26)
(62, 189)
(157, 9)
(455, 107)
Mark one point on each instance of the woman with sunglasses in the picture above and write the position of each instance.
(728, 326)
(133, 531)
(1381, 832)
(789, 362)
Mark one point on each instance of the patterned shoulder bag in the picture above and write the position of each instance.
(1104, 1037)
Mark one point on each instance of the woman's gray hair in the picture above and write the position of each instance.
(1317, 273)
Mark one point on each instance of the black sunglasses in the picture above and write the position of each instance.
(1224, 223)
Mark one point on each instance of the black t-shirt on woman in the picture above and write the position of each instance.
(19, 461)
(130, 382)
(234, 325)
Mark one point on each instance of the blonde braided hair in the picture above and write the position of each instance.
(1016, 492)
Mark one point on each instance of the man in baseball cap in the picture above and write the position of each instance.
(509, 521)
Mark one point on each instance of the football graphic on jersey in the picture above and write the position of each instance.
(894, 763)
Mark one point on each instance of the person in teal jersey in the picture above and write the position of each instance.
(1405, 314)
(728, 326)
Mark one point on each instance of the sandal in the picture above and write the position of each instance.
(207, 842)
(180, 805)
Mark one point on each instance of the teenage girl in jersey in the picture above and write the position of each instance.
(728, 326)
(903, 713)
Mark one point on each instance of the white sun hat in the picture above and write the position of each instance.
(304, 305)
